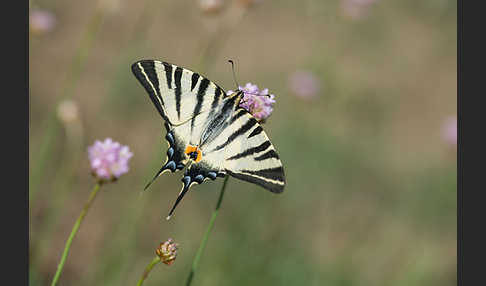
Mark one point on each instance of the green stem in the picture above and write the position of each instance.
(74, 231)
(50, 125)
(147, 270)
(195, 262)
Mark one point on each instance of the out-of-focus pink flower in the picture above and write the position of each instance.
(211, 6)
(68, 111)
(258, 102)
(449, 130)
(41, 21)
(109, 159)
(304, 84)
(167, 251)
(356, 9)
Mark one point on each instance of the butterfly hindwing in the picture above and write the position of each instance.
(250, 156)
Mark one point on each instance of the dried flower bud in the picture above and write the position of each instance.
(167, 251)
(109, 159)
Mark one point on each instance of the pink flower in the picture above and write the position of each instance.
(304, 84)
(109, 159)
(41, 21)
(449, 130)
(258, 102)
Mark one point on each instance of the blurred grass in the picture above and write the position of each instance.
(371, 194)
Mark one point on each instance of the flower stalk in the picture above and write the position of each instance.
(147, 270)
(74, 231)
(166, 252)
(195, 262)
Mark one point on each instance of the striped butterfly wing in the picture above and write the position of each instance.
(178, 94)
(183, 98)
(250, 156)
(243, 150)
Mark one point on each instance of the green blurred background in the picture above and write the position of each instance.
(371, 169)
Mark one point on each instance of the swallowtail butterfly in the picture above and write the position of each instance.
(207, 130)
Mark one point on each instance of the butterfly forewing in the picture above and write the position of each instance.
(179, 94)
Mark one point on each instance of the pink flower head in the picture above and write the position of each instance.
(109, 159)
(258, 102)
(41, 21)
(304, 84)
(167, 251)
(449, 130)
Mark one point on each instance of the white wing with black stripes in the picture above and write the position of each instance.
(253, 158)
(207, 130)
(178, 93)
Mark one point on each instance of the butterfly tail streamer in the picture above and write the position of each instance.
(187, 184)
(170, 165)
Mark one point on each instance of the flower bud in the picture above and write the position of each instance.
(167, 251)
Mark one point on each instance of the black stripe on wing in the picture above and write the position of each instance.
(242, 130)
(203, 86)
(177, 90)
(238, 114)
(194, 79)
(250, 151)
(168, 74)
(261, 178)
(267, 155)
(145, 72)
(256, 131)
(276, 173)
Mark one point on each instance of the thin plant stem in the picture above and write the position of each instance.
(50, 125)
(147, 270)
(195, 262)
(75, 229)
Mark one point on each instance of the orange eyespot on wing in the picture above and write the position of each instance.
(190, 150)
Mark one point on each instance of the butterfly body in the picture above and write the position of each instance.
(207, 131)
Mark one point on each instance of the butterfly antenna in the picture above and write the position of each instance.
(234, 75)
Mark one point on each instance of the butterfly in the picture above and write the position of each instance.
(207, 130)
